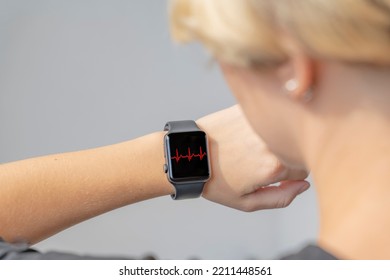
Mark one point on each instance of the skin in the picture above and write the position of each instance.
(342, 135)
(42, 196)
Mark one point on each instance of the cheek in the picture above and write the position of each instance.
(268, 112)
(263, 118)
(255, 100)
(272, 125)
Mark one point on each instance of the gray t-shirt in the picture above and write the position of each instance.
(22, 251)
(310, 252)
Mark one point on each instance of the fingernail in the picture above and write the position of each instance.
(305, 187)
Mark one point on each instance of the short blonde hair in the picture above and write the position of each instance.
(247, 32)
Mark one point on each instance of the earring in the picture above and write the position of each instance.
(291, 85)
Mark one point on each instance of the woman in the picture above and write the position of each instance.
(313, 79)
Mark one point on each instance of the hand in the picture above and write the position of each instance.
(242, 168)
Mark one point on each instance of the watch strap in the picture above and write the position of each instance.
(188, 190)
(181, 126)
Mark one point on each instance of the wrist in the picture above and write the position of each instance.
(187, 158)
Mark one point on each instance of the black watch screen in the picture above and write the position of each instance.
(187, 155)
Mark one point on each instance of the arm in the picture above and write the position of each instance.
(42, 196)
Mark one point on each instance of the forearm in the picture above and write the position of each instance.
(42, 196)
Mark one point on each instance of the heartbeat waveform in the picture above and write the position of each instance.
(189, 156)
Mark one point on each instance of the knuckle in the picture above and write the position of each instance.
(276, 169)
(247, 207)
(298, 174)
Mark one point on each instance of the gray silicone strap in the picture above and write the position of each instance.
(190, 189)
(181, 126)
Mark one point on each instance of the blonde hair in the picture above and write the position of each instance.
(247, 32)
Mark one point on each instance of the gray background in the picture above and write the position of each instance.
(87, 73)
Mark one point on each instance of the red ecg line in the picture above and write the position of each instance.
(189, 156)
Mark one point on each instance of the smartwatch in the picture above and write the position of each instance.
(186, 158)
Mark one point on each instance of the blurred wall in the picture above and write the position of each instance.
(87, 73)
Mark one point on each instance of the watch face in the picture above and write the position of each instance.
(187, 155)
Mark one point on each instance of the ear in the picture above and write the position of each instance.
(297, 75)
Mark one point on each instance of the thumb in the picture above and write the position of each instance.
(281, 196)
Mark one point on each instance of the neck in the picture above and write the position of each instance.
(351, 170)
(353, 185)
